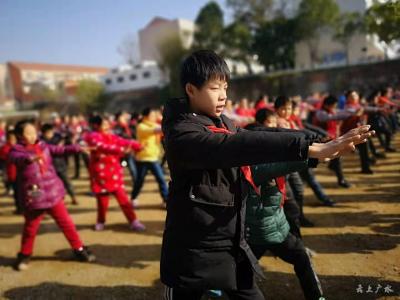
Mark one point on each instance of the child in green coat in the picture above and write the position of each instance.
(267, 227)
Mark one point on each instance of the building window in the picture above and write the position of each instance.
(146, 74)
(29, 75)
(133, 77)
(120, 79)
(108, 81)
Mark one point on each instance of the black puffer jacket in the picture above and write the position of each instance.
(203, 243)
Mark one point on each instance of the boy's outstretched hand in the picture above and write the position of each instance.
(363, 132)
(341, 145)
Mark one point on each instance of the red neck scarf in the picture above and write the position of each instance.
(281, 185)
(330, 126)
(39, 153)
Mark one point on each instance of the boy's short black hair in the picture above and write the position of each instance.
(201, 66)
(281, 101)
(95, 121)
(135, 115)
(46, 127)
(373, 95)
(263, 114)
(329, 100)
(146, 111)
(20, 126)
(118, 114)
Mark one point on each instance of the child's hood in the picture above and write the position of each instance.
(175, 109)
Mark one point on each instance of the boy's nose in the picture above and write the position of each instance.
(222, 96)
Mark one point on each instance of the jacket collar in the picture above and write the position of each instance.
(178, 109)
(22, 147)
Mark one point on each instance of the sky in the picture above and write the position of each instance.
(80, 32)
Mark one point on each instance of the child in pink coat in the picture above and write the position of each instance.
(41, 191)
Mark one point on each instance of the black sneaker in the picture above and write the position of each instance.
(367, 171)
(329, 202)
(306, 223)
(22, 262)
(344, 183)
(84, 255)
(380, 155)
(390, 149)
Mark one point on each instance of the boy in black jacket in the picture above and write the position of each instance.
(60, 164)
(203, 244)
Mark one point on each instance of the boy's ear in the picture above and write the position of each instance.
(190, 89)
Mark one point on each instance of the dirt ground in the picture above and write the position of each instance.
(357, 245)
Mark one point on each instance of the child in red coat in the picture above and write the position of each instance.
(106, 173)
(11, 169)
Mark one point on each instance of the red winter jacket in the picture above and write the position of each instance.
(106, 173)
(352, 121)
(10, 167)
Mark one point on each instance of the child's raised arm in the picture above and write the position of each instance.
(194, 147)
(133, 144)
(58, 150)
(20, 158)
(116, 148)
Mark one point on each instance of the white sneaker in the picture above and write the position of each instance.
(137, 226)
(135, 203)
(99, 227)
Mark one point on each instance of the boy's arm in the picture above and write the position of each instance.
(318, 130)
(307, 134)
(192, 147)
(262, 172)
(323, 116)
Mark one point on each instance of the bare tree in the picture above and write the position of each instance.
(172, 53)
(129, 49)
